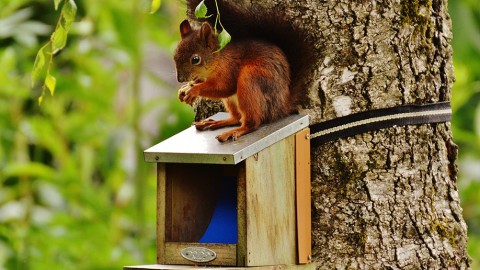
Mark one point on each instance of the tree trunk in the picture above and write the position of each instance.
(386, 199)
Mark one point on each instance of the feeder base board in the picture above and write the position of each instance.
(310, 266)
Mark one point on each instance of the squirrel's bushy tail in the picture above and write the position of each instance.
(265, 24)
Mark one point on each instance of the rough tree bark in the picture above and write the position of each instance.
(385, 199)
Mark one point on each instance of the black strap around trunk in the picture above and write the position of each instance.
(378, 119)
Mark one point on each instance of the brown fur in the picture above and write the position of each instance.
(251, 77)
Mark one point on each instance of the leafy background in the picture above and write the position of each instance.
(74, 190)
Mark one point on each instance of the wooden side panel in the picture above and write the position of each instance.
(304, 220)
(226, 254)
(270, 205)
(242, 215)
(161, 180)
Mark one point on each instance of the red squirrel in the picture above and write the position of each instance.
(251, 77)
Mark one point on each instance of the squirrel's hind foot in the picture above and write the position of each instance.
(233, 134)
(210, 124)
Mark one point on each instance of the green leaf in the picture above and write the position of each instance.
(201, 10)
(40, 100)
(59, 39)
(57, 3)
(51, 82)
(68, 11)
(223, 39)
(155, 6)
(39, 65)
(32, 169)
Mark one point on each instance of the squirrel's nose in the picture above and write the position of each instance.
(181, 77)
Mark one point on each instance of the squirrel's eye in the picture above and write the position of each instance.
(196, 60)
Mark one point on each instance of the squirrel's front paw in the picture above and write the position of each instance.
(185, 93)
(182, 91)
(189, 97)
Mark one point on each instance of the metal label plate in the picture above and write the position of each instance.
(198, 254)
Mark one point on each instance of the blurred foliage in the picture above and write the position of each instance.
(74, 190)
(466, 118)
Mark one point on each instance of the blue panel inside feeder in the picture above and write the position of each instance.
(223, 228)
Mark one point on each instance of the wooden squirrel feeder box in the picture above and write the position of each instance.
(239, 204)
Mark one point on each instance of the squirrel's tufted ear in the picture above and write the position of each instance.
(185, 28)
(206, 31)
(207, 35)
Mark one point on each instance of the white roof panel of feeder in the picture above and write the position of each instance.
(193, 146)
